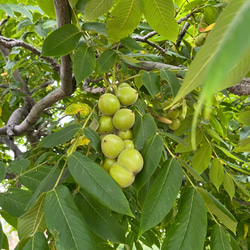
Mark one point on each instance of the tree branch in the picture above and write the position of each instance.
(10, 143)
(11, 43)
(242, 88)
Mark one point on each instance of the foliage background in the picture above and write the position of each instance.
(58, 57)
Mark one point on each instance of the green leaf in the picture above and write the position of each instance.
(7, 9)
(160, 16)
(229, 154)
(175, 138)
(125, 18)
(15, 200)
(94, 138)
(161, 195)
(131, 43)
(220, 239)
(151, 153)
(1, 236)
(143, 128)
(95, 26)
(202, 158)
(18, 167)
(21, 9)
(2, 171)
(219, 210)
(106, 61)
(48, 182)
(60, 136)
(216, 173)
(243, 146)
(99, 218)
(64, 221)
(32, 221)
(83, 62)
(32, 179)
(172, 80)
(96, 8)
(152, 82)
(48, 7)
(37, 242)
(96, 181)
(221, 42)
(244, 117)
(61, 41)
(191, 220)
(228, 184)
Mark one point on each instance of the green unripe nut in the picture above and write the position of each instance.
(107, 163)
(123, 84)
(105, 125)
(131, 159)
(126, 134)
(128, 144)
(173, 114)
(124, 119)
(108, 104)
(200, 39)
(127, 95)
(112, 145)
(175, 124)
(121, 175)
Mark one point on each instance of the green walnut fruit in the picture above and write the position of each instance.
(108, 104)
(124, 119)
(121, 175)
(126, 134)
(123, 84)
(127, 96)
(105, 125)
(200, 39)
(107, 163)
(112, 145)
(131, 159)
(165, 104)
(173, 114)
(175, 124)
(128, 144)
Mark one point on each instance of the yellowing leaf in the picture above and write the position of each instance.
(75, 108)
(83, 141)
(208, 28)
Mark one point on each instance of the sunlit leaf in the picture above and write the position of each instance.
(243, 146)
(124, 19)
(96, 8)
(221, 43)
(160, 16)
(48, 7)
(244, 117)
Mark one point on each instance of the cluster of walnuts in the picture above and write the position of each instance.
(121, 160)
